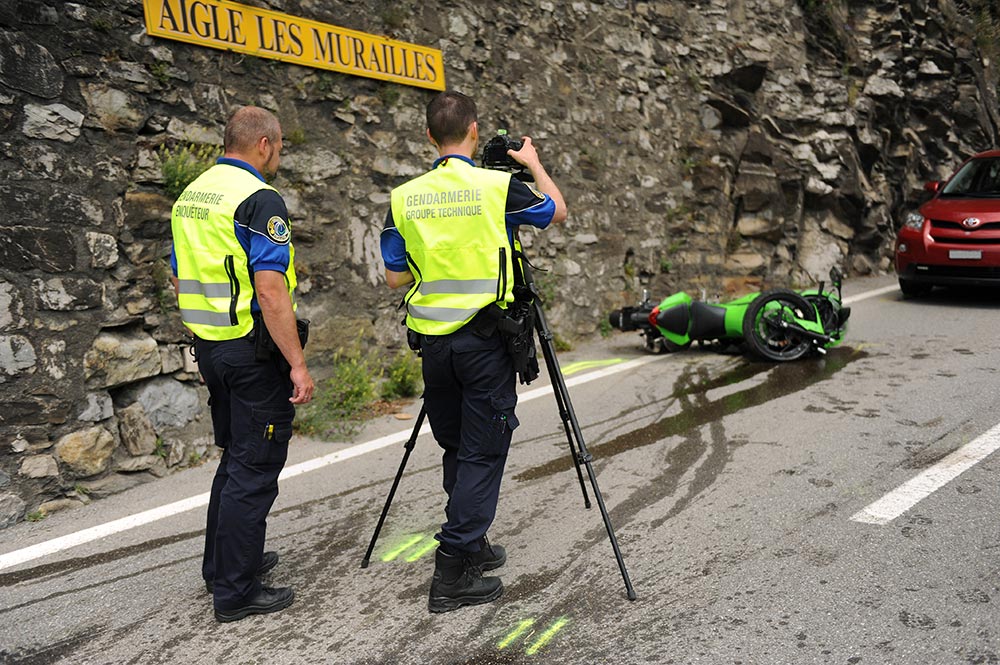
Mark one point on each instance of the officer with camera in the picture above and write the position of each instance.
(449, 236)
(234, 277)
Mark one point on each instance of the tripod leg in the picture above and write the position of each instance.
(570, 422)
(408, 446)
(552, 364)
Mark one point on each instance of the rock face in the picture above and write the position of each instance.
(700, 144)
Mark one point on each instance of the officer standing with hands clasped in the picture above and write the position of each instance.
(449, 235)
(235, 279)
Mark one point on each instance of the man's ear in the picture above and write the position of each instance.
(474, 131)
(431, 138)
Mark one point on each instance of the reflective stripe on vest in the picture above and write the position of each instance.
(452, 220)
(215, 287)
(209, 290)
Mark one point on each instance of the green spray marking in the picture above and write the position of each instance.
(516, 633)
(549, 633)
(407, 544)
(424, 549)
(587, 364)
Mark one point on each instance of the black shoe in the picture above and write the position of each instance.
(267, 562)
(458, 581)
(489, 557)
(267, 601)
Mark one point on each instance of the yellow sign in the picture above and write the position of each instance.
(234, 27)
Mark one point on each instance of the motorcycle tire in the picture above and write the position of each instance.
(761, 329)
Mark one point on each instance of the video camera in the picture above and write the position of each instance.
(495, 156)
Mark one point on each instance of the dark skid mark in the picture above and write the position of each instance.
(785, 379)
(525, 586)
(78, 563)
(708, 459)
(47, 654)
(99, 583)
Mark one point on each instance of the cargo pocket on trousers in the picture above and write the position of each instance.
(272, 432)
(503, 421)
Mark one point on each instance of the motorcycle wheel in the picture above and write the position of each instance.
(762, 328)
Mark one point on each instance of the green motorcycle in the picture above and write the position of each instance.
(776, 325)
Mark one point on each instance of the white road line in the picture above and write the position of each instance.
(110, 528)
(870, 294)
(907, 495)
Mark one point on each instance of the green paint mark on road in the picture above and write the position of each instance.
(422, 550)
(545, 637)
(587, 364)
(516, 633)
(402, 547)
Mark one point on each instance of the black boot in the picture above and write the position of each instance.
(489, 557)
(458, 581)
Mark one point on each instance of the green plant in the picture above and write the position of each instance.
(35, 516)
(560, 343)
(161, 448)
(605, 328)
(402, 377)
(389, 94)
(161, 72)
(165, 297)
(181, 164)
(81, 490)
(394, 16)
(546, 287)
(666, 265)
(296, 137)
(339, 400)
(689, 164)
(987, 31)
(194, 459)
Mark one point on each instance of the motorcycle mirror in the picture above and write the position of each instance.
(835, 277)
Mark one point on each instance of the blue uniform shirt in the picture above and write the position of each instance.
(250, 226)
(525, 205)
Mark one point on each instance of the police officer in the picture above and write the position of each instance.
(448, 235)
(235, 279)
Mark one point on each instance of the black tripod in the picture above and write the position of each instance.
(577, 447)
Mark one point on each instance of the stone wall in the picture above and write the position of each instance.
(715, 146)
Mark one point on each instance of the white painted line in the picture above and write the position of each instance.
(124, 524)
(870, 294)
(907, 495)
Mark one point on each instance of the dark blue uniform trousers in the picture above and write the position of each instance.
(252, 420)
(469, 395)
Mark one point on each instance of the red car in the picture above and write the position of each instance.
(954, 239)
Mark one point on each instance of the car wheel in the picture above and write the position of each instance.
(764, 326)
(914, 289)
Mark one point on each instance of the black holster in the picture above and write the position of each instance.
(263, 343)
(517, 328)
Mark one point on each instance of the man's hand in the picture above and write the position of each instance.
(527, 157)
(276, 307)
(303, 385)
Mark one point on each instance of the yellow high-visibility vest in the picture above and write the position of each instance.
(213, 271)
(452, 220)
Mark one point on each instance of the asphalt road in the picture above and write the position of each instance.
(738, 491)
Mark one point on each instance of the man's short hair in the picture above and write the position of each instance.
(247, 125)
(448, 117)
